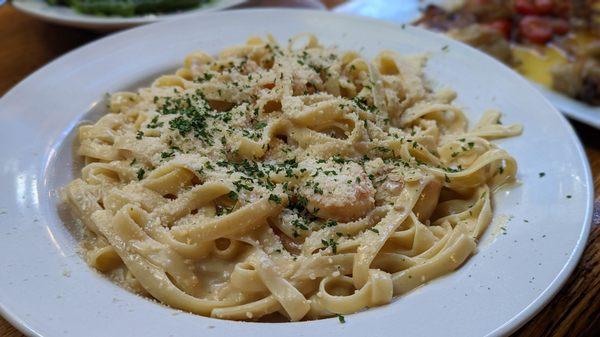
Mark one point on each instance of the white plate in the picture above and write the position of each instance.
(575, 109)
(46, 288)
(407, 11)
(66, 16)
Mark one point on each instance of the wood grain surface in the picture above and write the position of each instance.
(27, 44)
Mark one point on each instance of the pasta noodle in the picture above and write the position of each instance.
(300, 182)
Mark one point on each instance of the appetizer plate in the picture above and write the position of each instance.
(66, 16)
(539, 230)
(407, 11)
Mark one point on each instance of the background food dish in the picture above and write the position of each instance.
(67, 16)
(411, 11)
(553, 43)
(128, 8)
(562, 243)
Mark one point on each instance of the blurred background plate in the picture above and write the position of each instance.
(407, 11)
(66, 16)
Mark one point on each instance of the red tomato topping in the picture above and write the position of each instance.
(560, 26)
(544, 6)
(525, 7)
(536, 29)
(502, 26)
(529, 7)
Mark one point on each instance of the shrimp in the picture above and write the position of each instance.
(340, 192)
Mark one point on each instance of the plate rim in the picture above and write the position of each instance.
(510, 326)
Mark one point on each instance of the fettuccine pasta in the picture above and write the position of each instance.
(299, 182)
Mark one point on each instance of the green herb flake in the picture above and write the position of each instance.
(140, 173)
(330, 243)
(275, 198)
(260, 125)
(331, 223)
(168, 154)
(154, 123)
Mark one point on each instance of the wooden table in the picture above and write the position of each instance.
(27, 44)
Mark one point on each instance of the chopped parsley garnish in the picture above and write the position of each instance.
(382, 149)
(331, 223)
(330, 243)
(140, 173)
(154, 123)
(299, 224)
(299, 204)
(362, 104)
(239, 185)
(341, 318)
(167, 154)
(193, 113)
(260, 125)
(275, 198)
